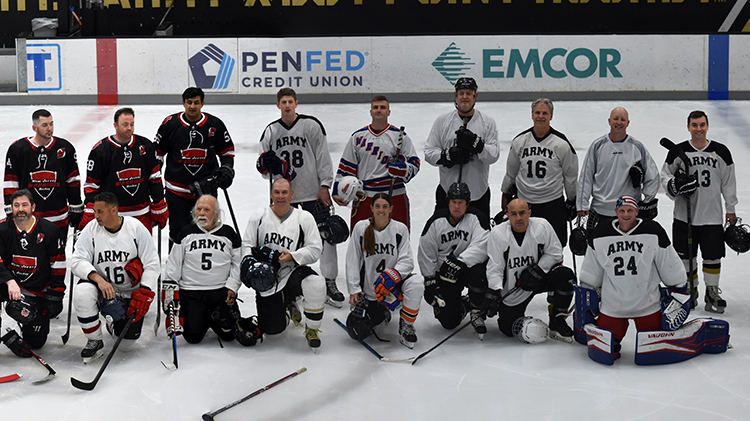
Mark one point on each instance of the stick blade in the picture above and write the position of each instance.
(208, 417)
(81, 385)
(169, 366)
(665, 142)
(10, 377)
(65, 337)
(49, 377)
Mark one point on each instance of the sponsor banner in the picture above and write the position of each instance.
(213, 64)
(61, 67)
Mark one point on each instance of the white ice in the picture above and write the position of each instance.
(499, 378)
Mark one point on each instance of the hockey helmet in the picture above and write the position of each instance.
(737, 236)
(466, 83)
(530, 330)
(260, 276)
(458, 191)
(351, 188)
(334, 230)
(358, 326)
(21, 310)
(246, 331)
(578, 241)
(116, 308)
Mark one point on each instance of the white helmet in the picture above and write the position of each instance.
(351, 188)
(530, 330)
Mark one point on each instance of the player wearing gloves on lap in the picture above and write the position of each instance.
(118, 266)
(379, 265)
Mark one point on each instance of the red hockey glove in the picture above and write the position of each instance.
(140, 300)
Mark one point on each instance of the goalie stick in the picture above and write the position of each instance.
(91, 385)
(395, 158)
(172, 320)
(669, 145)
(209, 416)
(375, 353)
(10, 377)
(471, 319)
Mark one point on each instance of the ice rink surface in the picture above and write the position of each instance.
(499, 378)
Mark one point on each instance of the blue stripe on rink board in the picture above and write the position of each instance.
(718, 67)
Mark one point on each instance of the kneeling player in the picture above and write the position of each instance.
(526, 252)
(116, 261)
(452, 256)
(284, 241)
(627, 259)
(202, 277)
(379, 263)
(32, 273)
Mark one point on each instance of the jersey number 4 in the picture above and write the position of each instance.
(620, 263)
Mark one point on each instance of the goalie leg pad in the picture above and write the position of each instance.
(601, 345)
(587, 308)
(704, 335)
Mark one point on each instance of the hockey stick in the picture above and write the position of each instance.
(395, 158)
(471, 319)
(375, 353)
(231, 212)
(172, 319)
(51, 373)
(669, 145)
(163, 18)
(575, 271)
(10, 377)
(66, 336)
(461, 165)
(157, 322)
(90, 386)
(210, 415)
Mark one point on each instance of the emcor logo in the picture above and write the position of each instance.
(205, 80)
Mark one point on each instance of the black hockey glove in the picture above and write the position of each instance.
(267, 254)
(469, 141)
(205, 186)
(491, 302)
(15, 342)
(532, 278)
(75, 215)
(8, 211)
(636, 174)
(452, 269)
(224, 176)
(570, 208)
(53, 303)
(452, 156)
(648, 210)
(682, 184)
(431, 291)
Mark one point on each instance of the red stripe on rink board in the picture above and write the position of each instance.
(106, 71)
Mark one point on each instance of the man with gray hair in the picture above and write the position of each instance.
(203, 275)
(542, 164)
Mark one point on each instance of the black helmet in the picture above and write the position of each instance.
(737, 236)
(458, 191)
(466, 83)
(578, 241)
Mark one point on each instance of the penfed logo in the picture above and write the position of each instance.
(203, 67)
(312, 68)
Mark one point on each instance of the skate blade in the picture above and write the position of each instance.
(94, 357)
(44, 380)
(479, 336)
(556, 336)
(406, 343)
(332, 303)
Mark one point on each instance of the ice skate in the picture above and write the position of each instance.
(334, 297)
(408, 334)
(313, 340)
(558, 327)
(477, 322)
(92, 350)
(714, 302)
(293, 314)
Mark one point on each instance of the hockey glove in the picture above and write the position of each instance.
(388, 289)
(432, 292)
(570, 208)
(269, 162)
(134, 269)
(469, 141)
(682, 184)
(159, 213)
(8, 211)
(648, 210)
(636, 174)
(491, 302)
(88, 216)
(532, 278)
(224, 176)
(452, 156)
(170, 293)
(202, 187)
(675, 307)
(400, 169)
(452, 269)
(53, 303)
(269, 255)
(75, 215)
(16, 344)
(140, 300)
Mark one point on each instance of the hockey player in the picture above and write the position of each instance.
(710, 176)
(525, 252)
(541, 166)
(191, 143)
(379, 265)
(117, 264)
(126, 165)
(616, 164)
(463, 145)
(202, 276)
(453, 255)
(48, 167)
(287, 239)
(627, 259)
(32, 272)
(297, 143)
(381, 156)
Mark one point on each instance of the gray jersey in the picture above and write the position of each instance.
(476, 173)
(304, 146)
(467, 240)
(714, 168)
(605, 175)
(541, 169)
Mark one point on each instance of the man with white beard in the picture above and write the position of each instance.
(203, 275)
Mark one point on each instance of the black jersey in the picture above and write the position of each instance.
(130, 171)
(191, 149)
(35, 259)
(50, 172)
